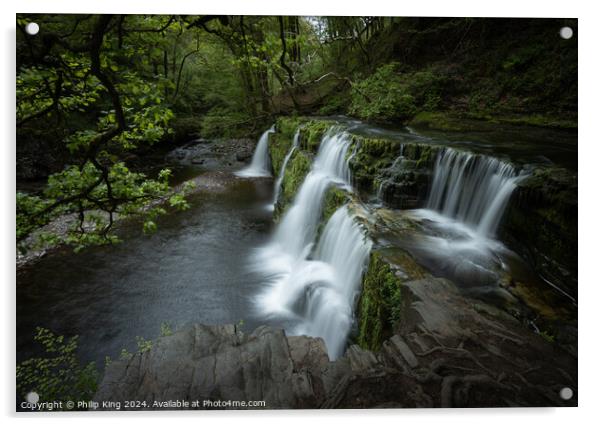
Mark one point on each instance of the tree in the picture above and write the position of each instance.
(101, 86)
(83, 64)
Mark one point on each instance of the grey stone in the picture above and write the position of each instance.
(404, 350)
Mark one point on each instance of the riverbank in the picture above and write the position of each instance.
(197, 166)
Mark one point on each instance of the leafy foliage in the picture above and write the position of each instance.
(395, 96)
(133, 191)
(107, 79)
(59, 376)
(383, 97)
(166, 329)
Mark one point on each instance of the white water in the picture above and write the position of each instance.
(278, 184)
(298, 227)
(316, 295)
(458, 249)
(260, 164)
(342, 254)
(471, 188)
(379, 192)
(312, 287)
(466, 203)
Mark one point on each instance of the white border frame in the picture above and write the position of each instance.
(589, 203)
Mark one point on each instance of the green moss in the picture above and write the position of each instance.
(371, 158)
(402, 259)
(278, 146)
(335, 197)
(378, 147)
(422, 155)
(298, 167)
(312, 133)
(287, 126)
(281, 141)
(427, 157)
(379, 305)
(441, 121)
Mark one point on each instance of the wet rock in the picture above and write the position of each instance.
(404, 350)
(219, 154)
(207, 363)
(360, 360)
(446, 353)
(243, 156)
(541, 224)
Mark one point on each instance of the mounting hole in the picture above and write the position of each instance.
(32, 397)
(32, 28)
(566, 393)
(566, 32)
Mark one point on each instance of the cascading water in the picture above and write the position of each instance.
(298, 227)
(278, 184)
(472, 188)
(260, 164)
(341, 256)
(465, 205)
(316, 296)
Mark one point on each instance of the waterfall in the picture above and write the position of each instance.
(278, 184)
(342, 254)
(472, 188)
(315, 295)
(379, 192)
(299, 225)
(260, 164)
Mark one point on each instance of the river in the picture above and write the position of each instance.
(191, 270)
(219, 262)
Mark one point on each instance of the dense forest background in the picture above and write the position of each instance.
(95, 93)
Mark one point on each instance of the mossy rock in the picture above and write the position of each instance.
(312, 133)
(334, 198)
(278, 146)
(287, 126)
(380, 303)
(381, 148)
(298, 167)
(423, 154)
(444, 122)
(371, 157)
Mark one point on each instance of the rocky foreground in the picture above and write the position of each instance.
(451, 352)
